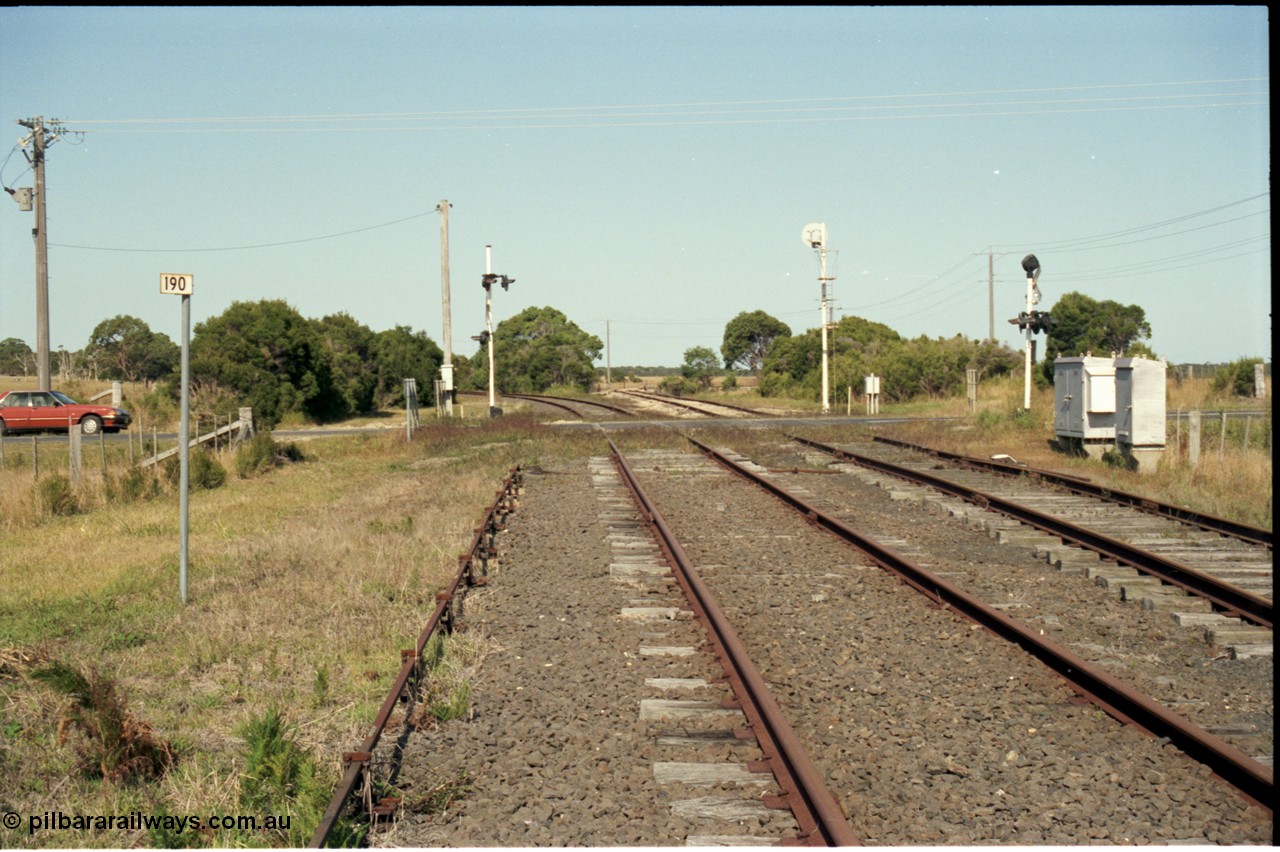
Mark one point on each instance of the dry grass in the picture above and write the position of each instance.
(304, 585)
(306, 582)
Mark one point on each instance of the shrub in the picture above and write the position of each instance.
(139, 484)
(280, 779)
(1236, 378)
(256, 455)
(678, 386)
(56, 495)
(261, 453)
(114, 744)
(206, 471)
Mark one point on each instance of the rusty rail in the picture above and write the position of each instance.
(1231, 599)
(1212, 523)
(804, 791)
(679, 403)
(1250, 777)
(357, 774)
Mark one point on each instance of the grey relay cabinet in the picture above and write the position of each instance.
(1084, 398)
(1111, 403)
(1140, 410)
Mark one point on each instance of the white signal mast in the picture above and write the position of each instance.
(815, 236)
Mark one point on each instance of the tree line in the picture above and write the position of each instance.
(790, 365)
(267, 355)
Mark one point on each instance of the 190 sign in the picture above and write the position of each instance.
(177, 284)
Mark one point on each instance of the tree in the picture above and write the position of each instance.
(349, 345)
(268, 356)
(793, 365)
(910, 368)
(1082, 324)
(747, 338)
(537, 349)
(700, 366)
(124, 347)
(16, 357)
(401, 353)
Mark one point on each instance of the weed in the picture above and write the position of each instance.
(404, 525)
(258, 455)
(56, 496)
(454, 706)
(115, 745)
(446, 692)
(320, 686)
(126, 639)
(280, 779)
(441, 796)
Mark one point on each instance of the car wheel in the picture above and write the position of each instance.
(91, 425)
(4, 430)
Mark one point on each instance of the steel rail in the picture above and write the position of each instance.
(357, 776)
(1222, 526)
(1250, 777)
(679, 403)
(805, 792)
(1236, 601)
(560, 401)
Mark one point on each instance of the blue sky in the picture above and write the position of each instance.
(648, 168)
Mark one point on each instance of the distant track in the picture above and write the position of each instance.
(695, 405)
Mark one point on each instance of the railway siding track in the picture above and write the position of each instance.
(1225, 695)
(594, 716)
(908, 719)
(697, 407)
(1146, 559)
(600, 719)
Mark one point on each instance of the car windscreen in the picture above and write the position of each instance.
(63, 398)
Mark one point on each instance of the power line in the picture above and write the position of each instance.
(1058, 245)
(701, 112)
(678, 104)
(255, 246)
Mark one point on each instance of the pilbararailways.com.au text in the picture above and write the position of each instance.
(138, 821)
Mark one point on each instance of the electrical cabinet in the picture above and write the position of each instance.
(1140, 402)
(1084, 398)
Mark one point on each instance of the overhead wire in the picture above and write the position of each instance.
(721, 112)
(253, 246)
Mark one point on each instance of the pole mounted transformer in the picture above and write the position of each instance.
(43, 134)
(815, 237)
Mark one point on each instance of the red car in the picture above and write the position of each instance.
(40, 411)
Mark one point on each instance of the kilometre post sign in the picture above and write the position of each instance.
(177, 283)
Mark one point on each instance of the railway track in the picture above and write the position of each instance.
(689, 741)
(1075, 485)
(925, 729)
(580, 407)
(700, 407)
(1160, 557)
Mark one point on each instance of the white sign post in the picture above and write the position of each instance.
(176, 284)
